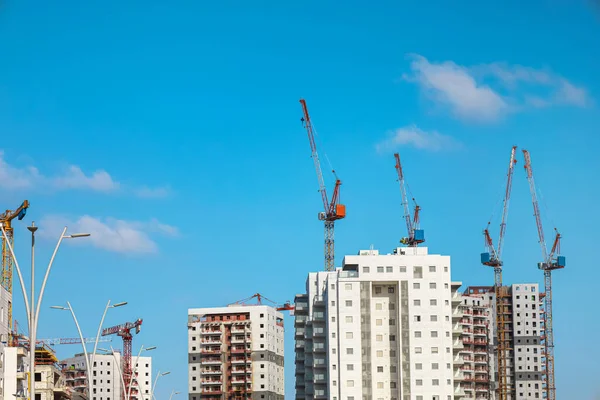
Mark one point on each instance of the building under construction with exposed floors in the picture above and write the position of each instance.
(235, 352)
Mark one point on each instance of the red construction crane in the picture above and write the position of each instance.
(124, 330)
(493, 258)
(415, 235)
(287, 306)
(550, 262)
(333, 210)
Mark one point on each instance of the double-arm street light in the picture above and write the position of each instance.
(33, 310)
(89, 363)
(156, 381)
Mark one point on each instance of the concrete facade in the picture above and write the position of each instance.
(235, 352)
(377, 328)
(106, 378)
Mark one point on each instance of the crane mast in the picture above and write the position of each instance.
(124, 330)
(415, 235)
(550, 262)
(332, 209)
(7, 260)
(493, 258)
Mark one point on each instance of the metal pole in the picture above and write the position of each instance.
(33, 325)
(99, 331)
(85, 353)
(133, 372)
(12, 253)
(117, 363)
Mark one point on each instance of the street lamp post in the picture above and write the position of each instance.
(133, 370)
(156, 381)
(173, 393)
(89, 363)
(33, 310)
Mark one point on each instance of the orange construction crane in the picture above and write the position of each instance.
(124, 330)
(415, 235)
(550, 262)
(493, 258)
(7, 260)
(333, 210)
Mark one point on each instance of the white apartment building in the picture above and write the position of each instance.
(235, 352)
(106, 376)
(474, 359)
(378, 328)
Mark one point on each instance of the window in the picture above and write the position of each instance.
(349, 335)
(379, 369)
(433, 302)
(446, 286)
(378, 306)
(419, 382)
(392, 385)
(418, 366)
(432, 268)
(392, 338)
(262, 315)
(377, 289)
(38, 377)
(432, 285)
(392, 321)
(349, 350)
(435, 366)
(434, 350)
(349, 318)
(392, 306)
(389, 269)
(433, 318)
(379, 353)
(402, 269)
(379, 322)
(380, 270)
(434, 334)
(349, 367)
(417, 334)
(416, 285)
(334, 351)
(435, 382)
(332, 319)
(348, 303)
(418, 350)
(332, 286)
(393, 369)
(332, 303)
(445, 269)
(350, 383)
(391, 289)
(366, 270)
(348, 286)
(417, 272)
(379, 338)
(417, 302)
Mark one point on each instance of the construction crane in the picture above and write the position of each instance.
(333, 210)
(57, 341)
(550, 262)
(287, 306)
(415, 235)
(7, 260)
(124, 330)
(493, 258)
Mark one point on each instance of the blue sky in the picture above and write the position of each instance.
(176, 125)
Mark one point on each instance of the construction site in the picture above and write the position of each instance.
(498, 338)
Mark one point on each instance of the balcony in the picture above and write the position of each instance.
(211, 372)
(319, 301)
(241, 351)
(212, 382)
(211, 361)
(210, 332)
(300, 332)
(240, 339)
(210, 351)
(240, 361)
(239, 329)
(242, 371)
(211, 340)
(466, 321)
(211, 392)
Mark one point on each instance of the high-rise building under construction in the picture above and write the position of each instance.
(235, 352)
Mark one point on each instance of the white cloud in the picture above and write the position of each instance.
(72, 178)
(109, 233)
(486, 92)
(453, 85)
(417, 138)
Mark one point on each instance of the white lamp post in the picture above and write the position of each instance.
(33, 310)
(133, 369)
(173, 393)
(89, 363)
(156, 381)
